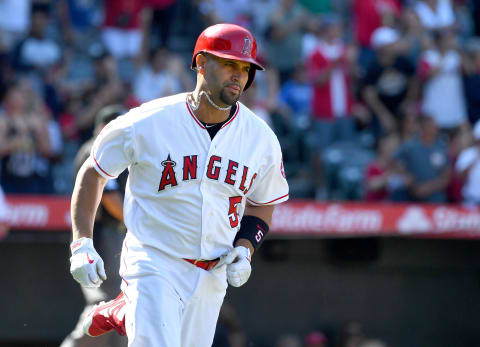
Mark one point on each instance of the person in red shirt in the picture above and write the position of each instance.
(368, 15)
(122, 29)
(378, 174)
(330, 68)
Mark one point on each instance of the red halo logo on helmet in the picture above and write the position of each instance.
(247, 46)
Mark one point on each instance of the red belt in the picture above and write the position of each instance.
(203, 264)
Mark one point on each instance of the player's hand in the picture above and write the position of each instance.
(238, 265)
(86, 266)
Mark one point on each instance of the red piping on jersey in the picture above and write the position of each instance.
(194, 117)
(105, 172)
(236, 112)
(269, 202)
(201, 125)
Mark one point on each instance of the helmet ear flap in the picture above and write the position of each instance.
(251, 77)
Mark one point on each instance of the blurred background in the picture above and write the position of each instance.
(376, 104)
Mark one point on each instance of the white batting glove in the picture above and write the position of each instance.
(238, 265)
(86, 266)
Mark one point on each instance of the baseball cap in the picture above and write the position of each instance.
(383, 36)
(476, 130)
(109, 113)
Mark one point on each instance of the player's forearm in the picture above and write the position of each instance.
(263, 212)
(86, 197)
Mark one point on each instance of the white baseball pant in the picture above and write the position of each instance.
(170, 302)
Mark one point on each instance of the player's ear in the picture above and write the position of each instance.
(201, 60)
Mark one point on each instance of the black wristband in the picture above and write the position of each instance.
(253, 229)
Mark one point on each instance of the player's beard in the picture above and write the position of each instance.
(227, 99)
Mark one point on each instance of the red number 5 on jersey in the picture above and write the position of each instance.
(232, 210)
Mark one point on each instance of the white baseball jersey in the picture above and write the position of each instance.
(186, 193)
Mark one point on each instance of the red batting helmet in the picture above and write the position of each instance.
(229, 41)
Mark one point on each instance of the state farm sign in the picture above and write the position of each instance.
(308, 217)
(354, 219)
(296, 218)
(454, 219)
(51, 213)
(28, 215)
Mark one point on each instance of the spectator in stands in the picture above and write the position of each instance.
(389, 82)
(123, 27)
(409, 127)
(312, 35)
(315, 339)
(369, 15)
(425, 160)
(290, 119)
(63, 170)
(106, 88)
(268, 86)
(44, 162)
(414, 36)
(14, 22)
(252, 101)
(435, 14)
(260, 21)
(468, 165)
(460, 139)
(440, 68)
(3, 215)
(158, 16)
(471, 66)
(284, 37)
(37, 51)
(330, 69)
(379, 175)
(155, 80)
(79, 21)
(24, 139)
(288, 340)
(295, 99)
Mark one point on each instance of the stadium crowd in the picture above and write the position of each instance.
(372, 100)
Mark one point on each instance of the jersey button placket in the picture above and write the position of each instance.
(206, 188)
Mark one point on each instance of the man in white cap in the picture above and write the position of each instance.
(468, 165)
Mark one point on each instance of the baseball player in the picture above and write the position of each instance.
(204, 176)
